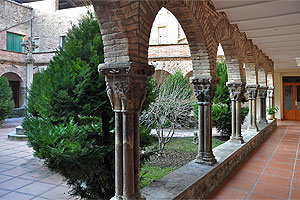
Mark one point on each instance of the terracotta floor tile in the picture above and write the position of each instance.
(295, 194)
(254, 195)
(296, 184)
(256, 162)
(245, 175)
(280, 165)
(272, 190)
(282, 181)
(278, 172)
(297, 175)
(283, 160)
(288, 151)
(229, 194)
(252, 168)
(284, 155)
(240, 184)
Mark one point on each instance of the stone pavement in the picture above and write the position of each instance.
(272, 171)
(23, 176)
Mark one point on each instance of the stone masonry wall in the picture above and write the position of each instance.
(12, 14)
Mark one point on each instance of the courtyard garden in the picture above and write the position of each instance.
(70, 122)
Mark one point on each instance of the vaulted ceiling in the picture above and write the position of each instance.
(273, 25)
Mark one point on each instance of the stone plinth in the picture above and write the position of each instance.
(18, 135)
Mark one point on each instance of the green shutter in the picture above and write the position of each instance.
(13, 42)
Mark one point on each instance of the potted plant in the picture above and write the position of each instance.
(271, 112)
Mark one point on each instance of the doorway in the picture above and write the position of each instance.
(291, 98)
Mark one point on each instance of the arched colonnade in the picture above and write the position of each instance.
(126, 26)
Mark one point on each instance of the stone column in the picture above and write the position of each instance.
(252, 94)
(270, 96)
(235, 89)
(126, 89)
(204, 88)
(29, 47)
(262, 93)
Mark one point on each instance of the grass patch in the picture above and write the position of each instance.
(178, 152)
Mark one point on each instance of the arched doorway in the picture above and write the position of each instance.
(15, 84)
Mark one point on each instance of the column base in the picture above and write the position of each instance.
(263, 121)
(239, 140)
(252, 128)
(206, 160)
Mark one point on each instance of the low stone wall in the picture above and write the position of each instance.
(195, 181)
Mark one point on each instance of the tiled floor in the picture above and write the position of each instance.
(272, 171)
(24, 177)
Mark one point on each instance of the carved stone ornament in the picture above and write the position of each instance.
(252, 91)
(262, 92)
(235, 89)
(29, 46)
(126, 88)
(204, 88)
(270, 92)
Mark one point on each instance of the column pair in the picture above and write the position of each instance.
(204, 88)
(262, 92)
(236, 89)
(126, 89)
(252, 94)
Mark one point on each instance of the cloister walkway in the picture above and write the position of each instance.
(24, 177)
(272, 171)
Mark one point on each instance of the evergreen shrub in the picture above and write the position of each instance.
(70, 120)
(6, 102)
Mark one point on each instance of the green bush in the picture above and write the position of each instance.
(70, 117)
(79, 152)
(6, 102)
(70, 120)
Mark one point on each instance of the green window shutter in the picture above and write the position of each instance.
(13, 42)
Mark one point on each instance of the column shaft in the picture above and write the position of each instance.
(252, 94)
(126, 89)
(204, 92)
(118, 155)
(262, 91)
(235, 89)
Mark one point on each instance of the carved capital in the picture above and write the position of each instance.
(252, 91)
(204, 88)
(262, 92)
(235, 89)
(270, 92)
(126, 86)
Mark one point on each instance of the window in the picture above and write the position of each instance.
(62, 40)
(13, 42)
(162, 35)
(37, 43)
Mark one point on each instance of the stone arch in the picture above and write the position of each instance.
(16, 72)
(225, 36)
(126, 27)
(160, 75)
(17, 85)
